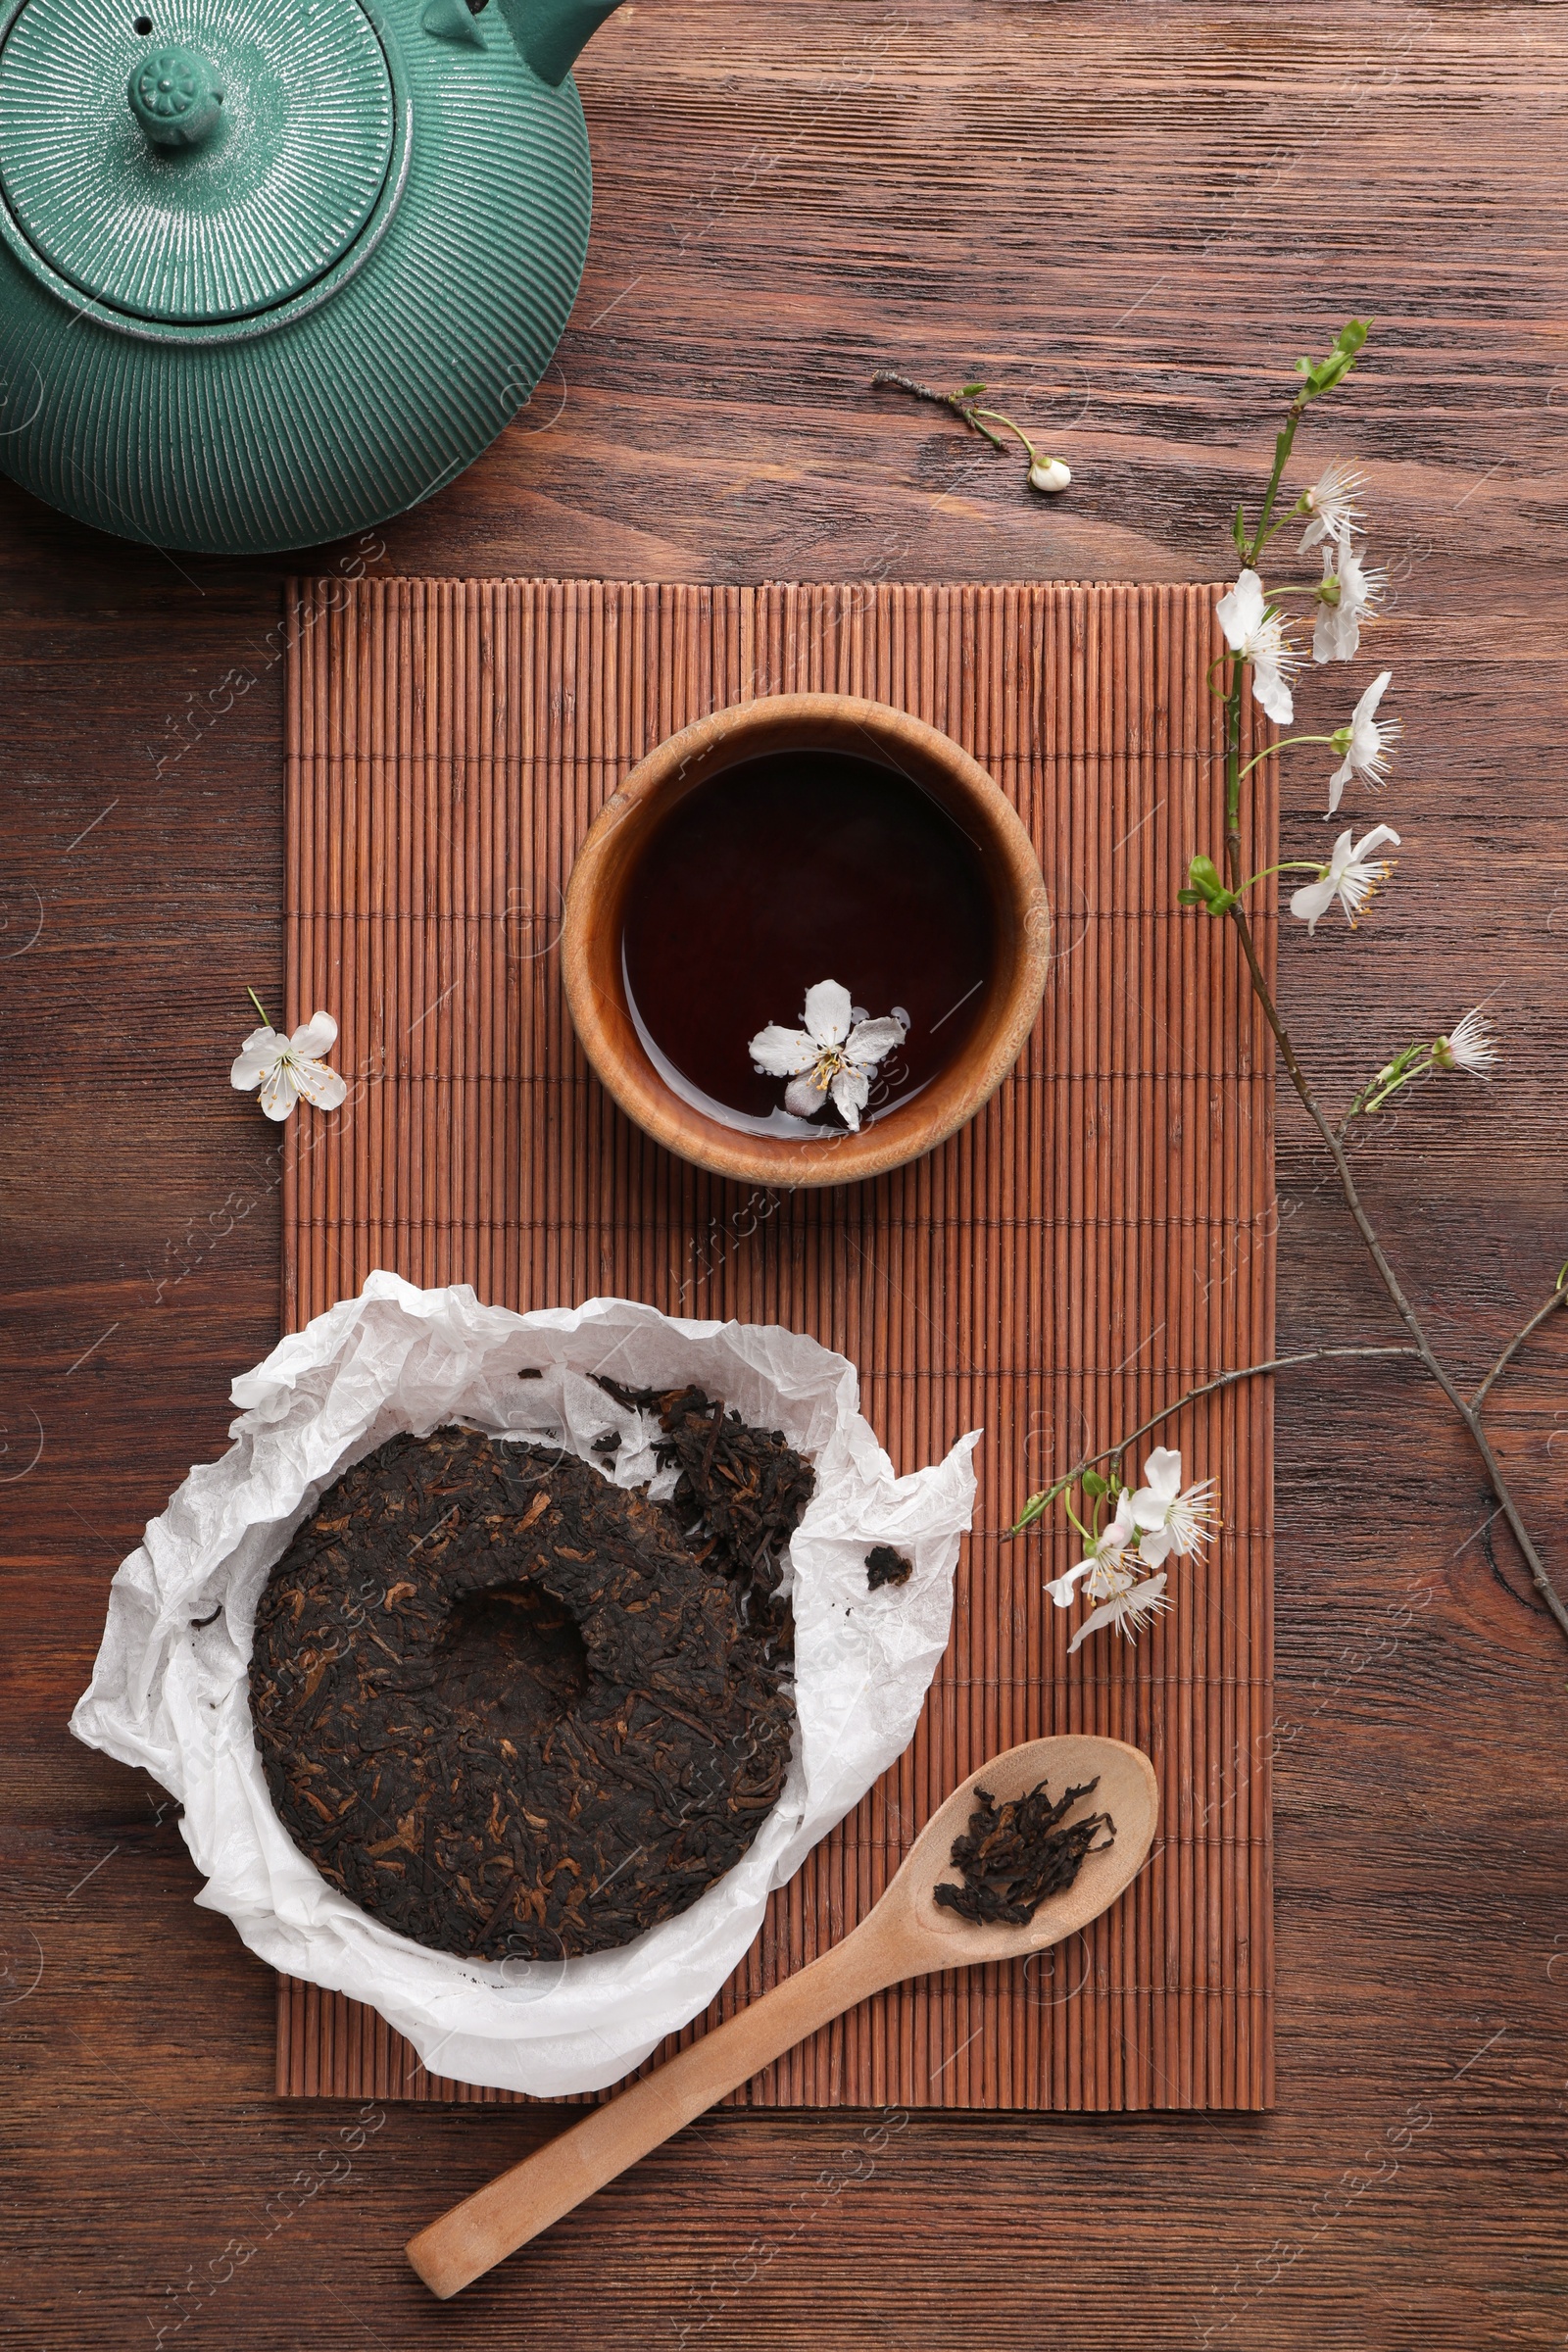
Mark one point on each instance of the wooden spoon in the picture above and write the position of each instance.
(905, 1935)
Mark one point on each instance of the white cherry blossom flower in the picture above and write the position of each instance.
(1259, 636)
(1129, 1611)
(286, 1069)
(1366, 743)
(1351, 875)
(1331, 504)
(1471, 1046)
(1169, 1516)
(833, 1055)
(1101, 1564)
(1347, 594)
(1050, 474)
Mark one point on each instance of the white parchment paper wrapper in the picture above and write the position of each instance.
(175, 1699)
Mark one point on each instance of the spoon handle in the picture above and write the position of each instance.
(516, 2206)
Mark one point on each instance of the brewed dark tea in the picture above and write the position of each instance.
(776, 876)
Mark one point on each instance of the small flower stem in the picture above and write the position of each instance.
(1287, 865)
(1389, 1280)
(944, 400)
(1290, 516)
(260, 1006)
(1416, 1061)
(1283, 745)
(997, 418)
(1037, 1505)
(1559, 1298)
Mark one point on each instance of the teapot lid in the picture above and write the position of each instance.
(198, 159)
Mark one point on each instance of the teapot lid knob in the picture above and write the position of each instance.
(175, 97)
(206, 171)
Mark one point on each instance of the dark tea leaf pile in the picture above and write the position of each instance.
(739, 1496)
(1015, 1854)
(509, 1708)
(885, 1566)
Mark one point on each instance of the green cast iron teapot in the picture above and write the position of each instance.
(277, 270)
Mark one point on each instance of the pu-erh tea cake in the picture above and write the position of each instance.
(512, 1709)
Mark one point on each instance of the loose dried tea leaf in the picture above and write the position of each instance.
(506, 1708)
(885, 1566)
(1015, 1854)
(738, 1498)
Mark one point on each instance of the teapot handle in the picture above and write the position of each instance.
(551, 33)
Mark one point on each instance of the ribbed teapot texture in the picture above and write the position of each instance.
(274, 271)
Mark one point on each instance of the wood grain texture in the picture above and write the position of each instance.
(1051, 1274)
(1144, 213)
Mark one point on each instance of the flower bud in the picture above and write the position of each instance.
(1051, 475)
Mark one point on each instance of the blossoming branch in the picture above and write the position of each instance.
(1265, 656)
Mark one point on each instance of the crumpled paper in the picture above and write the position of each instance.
(171, 1694)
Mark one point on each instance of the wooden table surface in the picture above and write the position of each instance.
(1130, 218)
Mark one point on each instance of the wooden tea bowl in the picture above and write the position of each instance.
(596, 905)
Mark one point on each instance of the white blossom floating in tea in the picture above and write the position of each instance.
(774, 870)
(833, 1057)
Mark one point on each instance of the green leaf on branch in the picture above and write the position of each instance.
(1095, 1486)
(1321, 375)
(970, 391)
(1238, 532)
(1205, 888)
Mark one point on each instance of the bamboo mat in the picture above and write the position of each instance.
(1098, 1241)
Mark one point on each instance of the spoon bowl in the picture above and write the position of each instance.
(1126, 1790)
(907, 1933)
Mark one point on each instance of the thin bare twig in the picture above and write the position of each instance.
(1557, 1298)
(1223, 1380)
(944, 400)
(1389, 1280)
